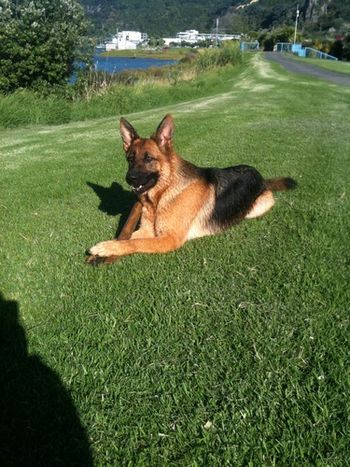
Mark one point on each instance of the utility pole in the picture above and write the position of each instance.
(216, 32)
(296, 24)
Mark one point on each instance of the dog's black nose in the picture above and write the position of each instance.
(131, 178)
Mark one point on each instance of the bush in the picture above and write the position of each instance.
(228, 53)
(336, 49)
(346, 49)
(38, 42)
(269, 39)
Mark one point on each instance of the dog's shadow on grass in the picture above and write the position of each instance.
(114, 200)
(39, 422)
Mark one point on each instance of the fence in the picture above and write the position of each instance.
(301, 51)
(244, 46)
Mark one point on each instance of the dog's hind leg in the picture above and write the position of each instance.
(261, 205)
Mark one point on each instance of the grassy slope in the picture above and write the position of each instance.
(247, 330)
(25, 108)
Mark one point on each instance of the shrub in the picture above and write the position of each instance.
(38, 42)
(228, 53)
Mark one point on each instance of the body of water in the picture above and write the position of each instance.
(118, 64)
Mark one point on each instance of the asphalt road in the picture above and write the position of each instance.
(295, 66)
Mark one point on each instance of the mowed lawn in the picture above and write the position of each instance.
(233, 350)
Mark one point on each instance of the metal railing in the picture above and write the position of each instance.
(249, 45)
(314, 53)
(301, 51)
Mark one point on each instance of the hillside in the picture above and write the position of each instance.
(165, 18)
(316, 16)
(154, 16)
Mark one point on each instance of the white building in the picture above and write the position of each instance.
(192, 36)
(171, 40)
(126, 40)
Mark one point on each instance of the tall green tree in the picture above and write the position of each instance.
(39, 42)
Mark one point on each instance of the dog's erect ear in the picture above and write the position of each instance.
(165, 130)
(128, 133)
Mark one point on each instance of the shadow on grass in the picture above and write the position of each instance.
(114, 200)
(39, 423)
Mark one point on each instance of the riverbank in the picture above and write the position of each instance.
(161, 54)
(103, 95)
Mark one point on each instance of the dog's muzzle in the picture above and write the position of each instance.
(141, 182)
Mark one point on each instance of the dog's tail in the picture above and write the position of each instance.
(280, 184)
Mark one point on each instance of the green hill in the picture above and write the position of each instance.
(161, 18)
(154, 16)
(321, 16)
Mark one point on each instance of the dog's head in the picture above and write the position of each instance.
(147, 157)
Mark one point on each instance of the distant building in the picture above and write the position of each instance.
(192, 36)
(126, 40)
(171, 40)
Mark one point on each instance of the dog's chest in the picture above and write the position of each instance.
(154, 218)
(200, 226)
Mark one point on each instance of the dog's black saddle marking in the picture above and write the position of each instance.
(236, 189)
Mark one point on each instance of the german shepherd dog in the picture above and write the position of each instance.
(178, 201)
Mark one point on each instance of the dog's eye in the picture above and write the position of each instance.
(148, 158)
(130, 157)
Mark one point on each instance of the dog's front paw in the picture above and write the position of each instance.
(95, 260)
(108, 248)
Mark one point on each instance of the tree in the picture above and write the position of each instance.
(39, 42)
(269, 38)
(156, 42)
(336, 49)
(346, 49)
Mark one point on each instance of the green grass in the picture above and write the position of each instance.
(166, 54)
(233, 350)
(333, 65)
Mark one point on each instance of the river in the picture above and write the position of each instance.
(117, 64)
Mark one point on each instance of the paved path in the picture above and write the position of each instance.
(296, 66)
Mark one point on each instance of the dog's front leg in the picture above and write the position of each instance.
(162, 244)
(125, 234)
(142, 233)
(97, 259)
(174, 225)
(131, 222)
